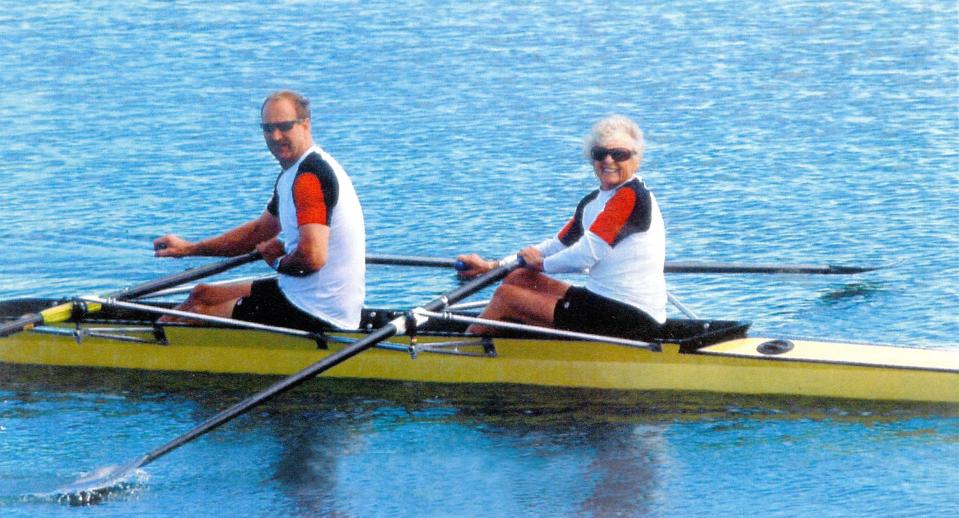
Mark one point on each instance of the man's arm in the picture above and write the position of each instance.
(309, 255)
(236, 241)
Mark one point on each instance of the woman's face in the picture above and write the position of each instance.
(609, 171)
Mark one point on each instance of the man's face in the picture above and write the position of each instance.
(286, 141)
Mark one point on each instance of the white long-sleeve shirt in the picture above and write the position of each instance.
(619, 238)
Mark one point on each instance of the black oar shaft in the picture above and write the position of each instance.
(702, 267)
(62, 311)
(30, 319)
(186, 276)
(409, 260)
(389, 330)
(270, 392)
(669, 267)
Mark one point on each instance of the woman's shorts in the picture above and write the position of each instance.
(583, 311)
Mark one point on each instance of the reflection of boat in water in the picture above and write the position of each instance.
(692, 355)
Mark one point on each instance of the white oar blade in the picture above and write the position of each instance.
(99, 484)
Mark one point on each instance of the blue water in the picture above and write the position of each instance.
(797, 132)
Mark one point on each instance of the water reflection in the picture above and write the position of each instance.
(308, 465)
(482, 453)
(356, 448)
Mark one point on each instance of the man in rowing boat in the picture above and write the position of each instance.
(616, 234)
(312, 233)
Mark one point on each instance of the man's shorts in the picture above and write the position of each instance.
(266, 304)
(583, 311)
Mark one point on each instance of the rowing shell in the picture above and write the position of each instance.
(697, 356)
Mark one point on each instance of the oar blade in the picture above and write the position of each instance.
(97, 485)
(847, 270)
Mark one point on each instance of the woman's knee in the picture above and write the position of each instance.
(507, 292)
(524, 277)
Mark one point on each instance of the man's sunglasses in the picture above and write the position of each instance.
(284, 126)
(619, 154)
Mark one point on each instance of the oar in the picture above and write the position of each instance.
(818, 269)
(94, 486)
(62, 312)
(670, 267)
(409, 260)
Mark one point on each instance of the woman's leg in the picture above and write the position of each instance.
(526, 296)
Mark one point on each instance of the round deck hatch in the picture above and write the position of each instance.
(775, 347)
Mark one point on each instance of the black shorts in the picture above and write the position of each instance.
(583, 311)
(266, 304)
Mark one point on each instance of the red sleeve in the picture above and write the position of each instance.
(309, 201)
(615, 216)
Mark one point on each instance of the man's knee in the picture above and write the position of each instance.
(204, 294)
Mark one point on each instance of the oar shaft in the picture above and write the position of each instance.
(397, 326)
(383, 333)
(28, 320)
(669, 267)
(409, 260)
(186, 276)
(821, 269)
(62, 312)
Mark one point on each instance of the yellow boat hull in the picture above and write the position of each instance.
(815, 369)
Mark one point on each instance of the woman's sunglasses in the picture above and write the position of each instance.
(619, 154)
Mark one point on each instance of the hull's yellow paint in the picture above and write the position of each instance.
(811, 369)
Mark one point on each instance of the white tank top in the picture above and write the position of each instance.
(336, 291)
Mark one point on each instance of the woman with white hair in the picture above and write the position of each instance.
(616, 235)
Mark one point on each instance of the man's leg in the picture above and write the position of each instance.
(212, 299)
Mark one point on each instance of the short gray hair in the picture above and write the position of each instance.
(614, 125)
(300, 103)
